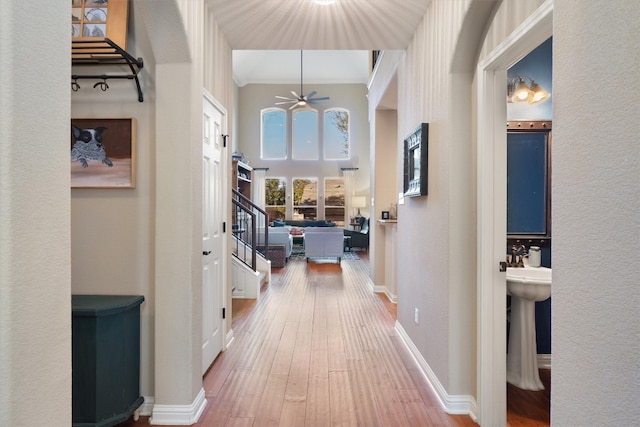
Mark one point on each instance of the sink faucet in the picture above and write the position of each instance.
(517, 251)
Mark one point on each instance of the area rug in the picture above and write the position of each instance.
(299, 255)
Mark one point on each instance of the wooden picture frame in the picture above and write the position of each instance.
(529, 179)
(95, 20)
(416, 156)
(103, 153)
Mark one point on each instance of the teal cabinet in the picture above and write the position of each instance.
(105, 359)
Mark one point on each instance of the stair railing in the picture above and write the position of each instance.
(249, 227)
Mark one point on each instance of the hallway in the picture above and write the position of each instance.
(318, 349)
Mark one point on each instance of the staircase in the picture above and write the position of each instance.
(251, 269)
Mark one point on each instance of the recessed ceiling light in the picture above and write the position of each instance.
(324, 1)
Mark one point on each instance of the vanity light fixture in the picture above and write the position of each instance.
(519, 91)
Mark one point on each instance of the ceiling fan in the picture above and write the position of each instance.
(300, 100)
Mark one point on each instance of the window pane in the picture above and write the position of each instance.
(305, 135)
(274, 134)
(305, 197)
(334, 191)
(335, 215)
(336, 134)
(334, 199)
(275, 197)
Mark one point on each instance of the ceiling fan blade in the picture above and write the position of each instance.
(295, 94)
(323, 98)
(285, 102)
(310, 95)
(283, 97)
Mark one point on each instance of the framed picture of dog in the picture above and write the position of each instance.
(103, 153)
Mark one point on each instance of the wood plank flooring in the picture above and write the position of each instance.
(318, 349)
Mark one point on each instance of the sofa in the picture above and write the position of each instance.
(323, 242)
(303, 223)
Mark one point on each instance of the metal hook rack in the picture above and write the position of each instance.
(100, 53)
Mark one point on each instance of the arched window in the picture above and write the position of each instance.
(336, 134)
(305, 134)
(273, 135)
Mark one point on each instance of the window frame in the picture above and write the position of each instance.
(324, 133)
(294, 155)
(281, 179)
(262, 128)
(305, 206)
(340, 223)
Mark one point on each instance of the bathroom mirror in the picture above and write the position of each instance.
(415, 161)
(529, 179)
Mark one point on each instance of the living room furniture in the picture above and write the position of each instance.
(280, 245)
(323, 242)
(360, 238)
(105, 359)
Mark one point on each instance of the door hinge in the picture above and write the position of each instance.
(224, 226)
(224, 140)
(224, 313)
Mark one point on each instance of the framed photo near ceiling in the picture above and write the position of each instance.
(95, 20)
(416, 156)
(103, 153)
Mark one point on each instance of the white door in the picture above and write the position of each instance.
(213, 208)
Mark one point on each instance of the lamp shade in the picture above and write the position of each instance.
(358, 201)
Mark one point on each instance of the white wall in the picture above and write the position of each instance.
(433, 275)
(35, 265)
(112, 229)
(596, 199)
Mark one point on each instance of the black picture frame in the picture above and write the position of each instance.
(416, 157)
(385, 215)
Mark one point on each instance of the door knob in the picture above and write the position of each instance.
(206, 252)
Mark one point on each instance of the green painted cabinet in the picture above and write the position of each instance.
(105, 359)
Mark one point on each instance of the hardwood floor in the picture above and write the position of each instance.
(319, 349)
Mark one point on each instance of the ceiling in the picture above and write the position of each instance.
(324, 32)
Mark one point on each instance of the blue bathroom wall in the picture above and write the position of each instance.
(538, 66)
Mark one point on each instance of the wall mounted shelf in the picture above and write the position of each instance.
(104, 53)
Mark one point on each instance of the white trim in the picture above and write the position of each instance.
(379, 289)
(452, 404)
(544, 361)
(179, 415)
(491, 166)
(146, 409)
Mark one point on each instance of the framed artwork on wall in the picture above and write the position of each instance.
(103, 153)
(95, 20)
(416, 156)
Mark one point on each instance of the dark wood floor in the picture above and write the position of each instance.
(319, 349)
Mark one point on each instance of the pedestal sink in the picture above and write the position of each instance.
(526, 286)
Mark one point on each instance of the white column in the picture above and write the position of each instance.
(35, 213)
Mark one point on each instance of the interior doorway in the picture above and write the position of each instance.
(492, 138)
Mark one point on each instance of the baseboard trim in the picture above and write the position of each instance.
(379, 289)
(544, 361)
(147, 406)
(179, 415)
(452, 404)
